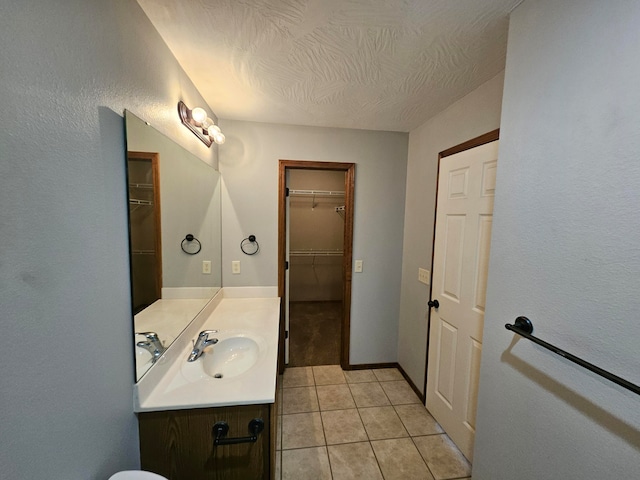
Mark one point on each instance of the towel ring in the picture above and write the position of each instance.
(190, 238)
(250, 240)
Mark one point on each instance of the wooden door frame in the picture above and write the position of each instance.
(488, 137)
(349, 170)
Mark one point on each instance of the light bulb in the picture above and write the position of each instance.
(198, 114)
(207, 123)
(213, 129)
(219, 138)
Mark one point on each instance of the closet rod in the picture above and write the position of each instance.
(135, 201)
(524, 327)
(324, 193)
(141, 185)
(315, 253)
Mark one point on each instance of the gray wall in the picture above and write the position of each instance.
(565, 249)
(473, 115)
(68, 70)
(249, 167)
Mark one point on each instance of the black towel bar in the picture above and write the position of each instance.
(221, 429)
(523, 326)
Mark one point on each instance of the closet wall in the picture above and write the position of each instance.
(316, 235)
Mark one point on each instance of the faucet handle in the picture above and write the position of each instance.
(149, 335)
(205, 333)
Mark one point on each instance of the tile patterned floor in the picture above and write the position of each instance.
(359, 424)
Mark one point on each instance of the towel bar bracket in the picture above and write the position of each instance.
(524, 324)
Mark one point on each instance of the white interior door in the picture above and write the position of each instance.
(466, 187)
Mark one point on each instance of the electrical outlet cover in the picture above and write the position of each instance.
(235, 267)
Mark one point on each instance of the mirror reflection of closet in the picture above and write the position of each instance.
(144, 218)
(172, 193)
(316, 238)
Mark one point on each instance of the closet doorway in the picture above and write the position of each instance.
(315, 225)
(143, 174)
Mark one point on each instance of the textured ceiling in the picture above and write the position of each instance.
(369, 64)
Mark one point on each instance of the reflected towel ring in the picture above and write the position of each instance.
(250, 240)
(190, 238)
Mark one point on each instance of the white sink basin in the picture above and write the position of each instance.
(234, 354)
(230, 357)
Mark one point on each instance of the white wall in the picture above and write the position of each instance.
(249, 167)
(565, 248)
(68, 70)
(473, 115)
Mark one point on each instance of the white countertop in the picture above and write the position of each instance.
(167, 386)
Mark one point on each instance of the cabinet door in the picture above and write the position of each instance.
(178, 444)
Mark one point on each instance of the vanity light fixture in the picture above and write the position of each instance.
(200, 124)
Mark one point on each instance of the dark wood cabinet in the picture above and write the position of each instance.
(178, 444)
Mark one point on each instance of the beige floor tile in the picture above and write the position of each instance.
(328, 375)
(279, 393)
(382, 423)
(359, 376)
(353, 461)
(399, 392)
(307, 463)
(443, 457)
(299, 399)
(399, 460)
(368, 394)
(343, 426)
(387, 374)
(417, 420)
(302, 430)
(335, 397)
(278, 465)
(297, 377)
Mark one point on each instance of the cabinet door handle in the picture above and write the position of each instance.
(221, 429)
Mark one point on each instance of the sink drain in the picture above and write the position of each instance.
(217, 375)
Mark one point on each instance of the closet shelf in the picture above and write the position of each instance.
(316, 193)
(147, 186)
(316, 253)
(135, 201)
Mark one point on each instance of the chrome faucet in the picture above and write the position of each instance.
(153, 345)
(202, 342)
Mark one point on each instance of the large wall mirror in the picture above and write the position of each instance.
(175, 238)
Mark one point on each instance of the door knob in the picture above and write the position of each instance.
(433, 304)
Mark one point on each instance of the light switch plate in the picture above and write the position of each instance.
(358, 266)
(424, 276)
(235, 267)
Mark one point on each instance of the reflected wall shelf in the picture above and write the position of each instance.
(316, 193)
(135, 201)
(316, 253)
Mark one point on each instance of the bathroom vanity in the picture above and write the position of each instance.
(215, 417)
(178, 444)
